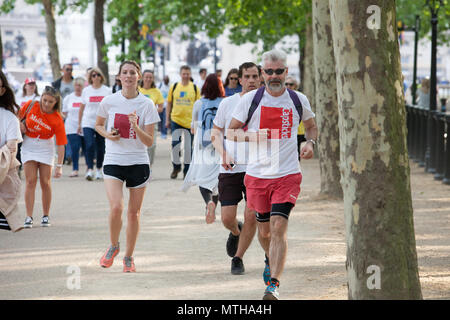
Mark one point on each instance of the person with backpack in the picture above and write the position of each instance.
(180, 102)
(270, 116)
(232, 172)
(204, 168)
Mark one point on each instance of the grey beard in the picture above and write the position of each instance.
(277, 87)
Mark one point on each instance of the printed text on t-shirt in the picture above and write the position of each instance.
(278, 121)
(122, 123)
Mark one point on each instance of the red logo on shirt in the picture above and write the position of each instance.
(76, 104)
(122, 123)
(278, 120)
(95, 99)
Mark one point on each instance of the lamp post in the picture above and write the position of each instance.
(430, 151)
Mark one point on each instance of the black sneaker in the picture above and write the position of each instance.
(237, 266)
(232, 242)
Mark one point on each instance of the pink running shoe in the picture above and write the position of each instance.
(128, 264)
(108, 258)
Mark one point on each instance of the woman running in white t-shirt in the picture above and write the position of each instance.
(130, 118)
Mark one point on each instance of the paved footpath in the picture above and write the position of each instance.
(178, 256)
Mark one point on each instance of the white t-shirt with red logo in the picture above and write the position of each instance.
(238, 150)
(91, 99)
(278, 156)
(71, 105)
(129, 149)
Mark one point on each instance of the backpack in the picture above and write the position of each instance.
(207, 115)
(175, 85)
(257, 99)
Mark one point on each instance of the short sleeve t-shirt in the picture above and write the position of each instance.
(9, 127)
(44, 125)
(129, 149)
(91, 99)
(66, 88)
(278, 156)
(238, 150)
(183, 102)
(71, 105)
(154, 94)
(22, 100)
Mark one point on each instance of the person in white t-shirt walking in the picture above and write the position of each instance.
(130, 118)
(232, 172)
(94, 143)
(71, 108)
(273, 173)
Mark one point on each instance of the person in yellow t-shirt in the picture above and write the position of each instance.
(292, 84)
(180, 102)
(148, 89)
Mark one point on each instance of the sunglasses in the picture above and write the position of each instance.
(231, 78)
(289, 84)
(277, 71)
(94, 75)
(69, 69)
(50, 90)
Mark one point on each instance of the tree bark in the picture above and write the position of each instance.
(308, 77)
(327, 114)
(51, 38)
(381, 249)
(301, 62)
(100, 38)
(1, 50)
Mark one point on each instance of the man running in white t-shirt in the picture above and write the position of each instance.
(232, 172)
(273, 173)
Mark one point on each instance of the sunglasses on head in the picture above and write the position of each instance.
(277, 71)
(50, 90)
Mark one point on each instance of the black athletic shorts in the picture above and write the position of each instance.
(231, 188)
(135, 176)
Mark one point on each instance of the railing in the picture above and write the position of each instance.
(418, 120)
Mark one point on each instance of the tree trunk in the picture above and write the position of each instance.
(327, 113)
(381, 249)
(135, 37)
(308, 77)
(301, 62)
(1, 50)
(100, 38)
(51, 38)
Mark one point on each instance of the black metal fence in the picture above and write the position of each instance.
(436, 157)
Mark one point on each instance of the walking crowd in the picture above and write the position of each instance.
(238, 140)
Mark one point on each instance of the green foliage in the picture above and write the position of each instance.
(251, 21)
(407, 11)
(7, 6)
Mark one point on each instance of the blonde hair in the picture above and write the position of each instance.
(79, 80)
(98, 71)
(48, 90)
(425, 85)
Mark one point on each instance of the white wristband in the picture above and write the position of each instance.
(59, 165)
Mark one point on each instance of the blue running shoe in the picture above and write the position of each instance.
(271, 292)
(266, 273)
